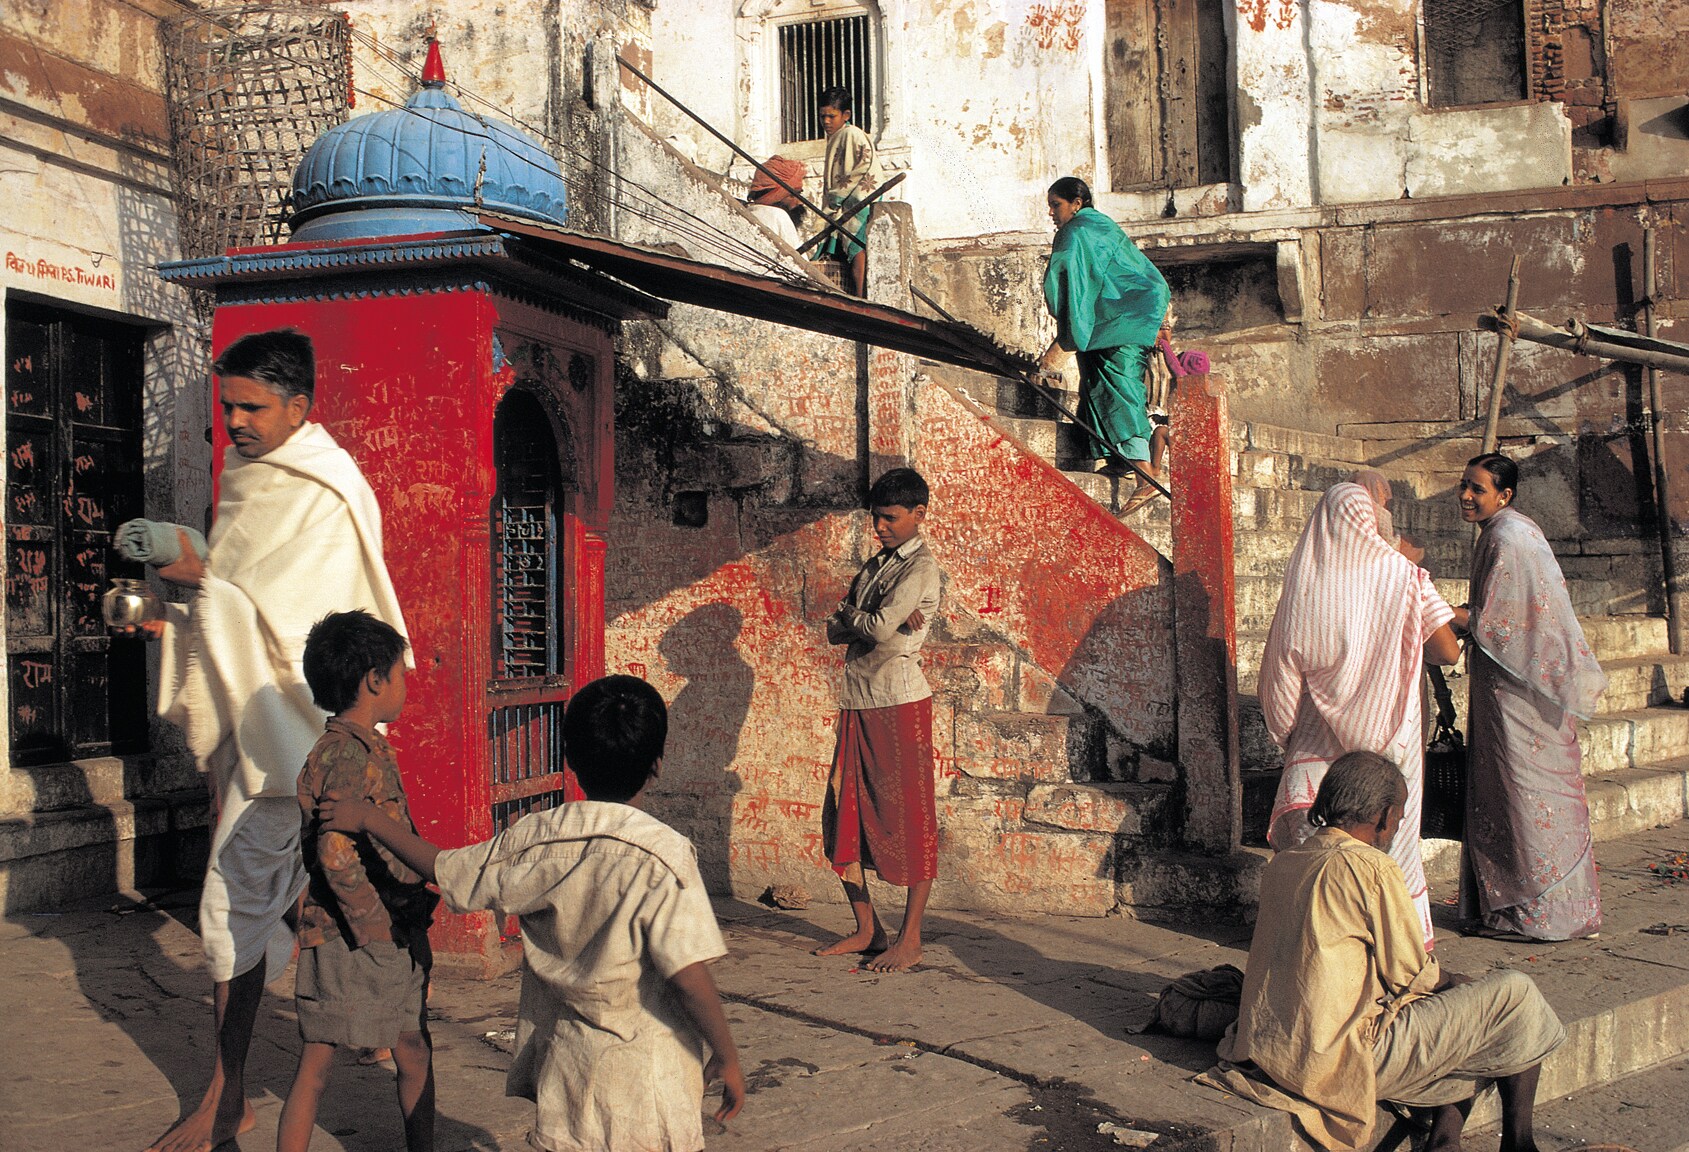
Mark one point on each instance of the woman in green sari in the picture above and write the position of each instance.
(1108, 301)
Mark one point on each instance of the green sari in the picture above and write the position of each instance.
(1108, 301)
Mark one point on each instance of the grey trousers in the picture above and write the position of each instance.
(1445, 1048)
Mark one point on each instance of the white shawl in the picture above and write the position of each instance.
(297, 535)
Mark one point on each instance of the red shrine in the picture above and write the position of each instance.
(470, 376)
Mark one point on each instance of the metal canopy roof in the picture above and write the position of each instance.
(766, 298)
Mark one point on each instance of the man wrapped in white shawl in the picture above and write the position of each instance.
(296, 535)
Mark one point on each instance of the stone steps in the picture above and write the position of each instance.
(1620, 637)
(1631, 749)
(1027, 747)
(1635, 739)
(99, 780)
(1640, 681)
(52, 857)
(1633, 800)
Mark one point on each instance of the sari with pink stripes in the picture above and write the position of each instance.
(1342, 666)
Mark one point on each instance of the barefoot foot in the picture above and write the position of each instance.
(202, 1130)
(856, 942)
(900, 957)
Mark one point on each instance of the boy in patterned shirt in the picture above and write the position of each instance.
(363, 939)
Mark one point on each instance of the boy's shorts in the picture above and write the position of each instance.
(360, 997)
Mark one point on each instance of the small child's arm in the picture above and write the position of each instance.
(695, 988)
(350, 816)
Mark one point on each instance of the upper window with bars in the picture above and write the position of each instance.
(836, 52)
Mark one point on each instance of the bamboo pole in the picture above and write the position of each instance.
(1578, 339)
(1503, 352)
(829, 224)
(855, 208)
(1676, 604)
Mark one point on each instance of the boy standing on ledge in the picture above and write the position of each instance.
(879, 811)
(848, 176)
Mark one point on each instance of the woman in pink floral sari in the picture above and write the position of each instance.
(1528, 864)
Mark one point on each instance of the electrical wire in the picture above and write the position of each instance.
(682, 220)
(655, 209)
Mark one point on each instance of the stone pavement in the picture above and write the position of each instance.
(1011, 1035)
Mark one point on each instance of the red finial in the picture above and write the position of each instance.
(434, 71)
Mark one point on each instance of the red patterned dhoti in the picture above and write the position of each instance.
(879, 812)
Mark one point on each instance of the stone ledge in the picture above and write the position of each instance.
(41, 833)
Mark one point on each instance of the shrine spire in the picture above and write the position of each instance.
(434, 71)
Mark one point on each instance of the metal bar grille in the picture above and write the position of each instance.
(818, 55)
(527, 746)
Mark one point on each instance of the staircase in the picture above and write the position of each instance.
(1636, 750)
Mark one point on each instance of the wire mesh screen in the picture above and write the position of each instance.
(1476, 51)
(818, 55)
(249, 88)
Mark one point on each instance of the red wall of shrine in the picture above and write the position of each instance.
(409, 384)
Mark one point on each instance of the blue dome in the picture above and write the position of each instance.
(421, 168)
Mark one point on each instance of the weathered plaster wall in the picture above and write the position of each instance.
(986, 103)
(1388, 346)
(771, 434)
(84, 176)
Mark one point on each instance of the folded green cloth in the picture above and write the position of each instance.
(155, 541)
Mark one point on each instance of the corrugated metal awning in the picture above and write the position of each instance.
(766, 298)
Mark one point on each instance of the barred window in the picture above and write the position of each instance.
(819, 54)
(525, 540)
(1474, 51)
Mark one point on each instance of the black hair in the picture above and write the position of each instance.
(282, 360)
(613, 735)
(836, 98)
(1072, 188)
(901, 486)
(1505, 471)
(341, 649)
(1358, 788)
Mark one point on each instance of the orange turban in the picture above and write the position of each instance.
(763, 186)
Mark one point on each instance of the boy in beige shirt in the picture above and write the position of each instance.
(617, 934)
(848, 176)
(880, 811)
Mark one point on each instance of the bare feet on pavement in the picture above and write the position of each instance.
(900, 957)
(855, 942)
(199, 1131)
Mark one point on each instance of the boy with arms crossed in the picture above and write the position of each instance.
(879, 811)
(617, 934)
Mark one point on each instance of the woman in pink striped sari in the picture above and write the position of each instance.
(1341, 671)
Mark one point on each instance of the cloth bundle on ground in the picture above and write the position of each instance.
(1199, 1004)
(155, 541)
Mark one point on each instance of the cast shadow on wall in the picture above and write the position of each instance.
(695, 791)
